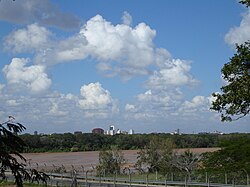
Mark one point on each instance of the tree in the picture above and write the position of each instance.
(155, 156)
(245, 2)
(110, 161)
(186, 162)
(234, 102)
(233, 157)
(10, 147)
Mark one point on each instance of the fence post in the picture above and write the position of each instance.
(129, 177)
(206, 177)
(166, 178)
(185, 180)
(86, 178)
(147, 179)
(233, 181)
(115, 179)
(247, 179)
(225, 178)
(172, 176)
(100, 178)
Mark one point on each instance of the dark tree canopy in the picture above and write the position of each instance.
(234, 102)
(245, 2)
(10, 147)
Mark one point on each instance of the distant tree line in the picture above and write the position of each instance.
(92, 142)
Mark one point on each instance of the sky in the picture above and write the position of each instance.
(150, 66)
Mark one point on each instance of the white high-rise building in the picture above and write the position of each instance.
(111, 130)
(131, 131)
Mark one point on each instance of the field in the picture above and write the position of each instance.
(84, 160)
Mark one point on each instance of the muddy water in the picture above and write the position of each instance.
(87, 160)
(79, 160)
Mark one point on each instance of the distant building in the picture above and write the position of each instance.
(35, 133)
(111, 130)
(77, 132)
(131, 131)
(98, 131)
(176, 132)
(118, 131)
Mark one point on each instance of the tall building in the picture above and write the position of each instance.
(131, 131)
(111, 130)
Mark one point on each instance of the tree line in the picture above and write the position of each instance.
(159, 155)
(93, 142)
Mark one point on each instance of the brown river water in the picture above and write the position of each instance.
(84, 160)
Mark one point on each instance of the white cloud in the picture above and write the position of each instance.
(34, 38)
(32, 78)
(241, 33)
(12, 103)
(127, 18)
(196, 103)
(174, 73)
(130, 49)
(41, 11)
(130, 108)
(55, 110)
(95, 97)
(128, 52)
(1, 87)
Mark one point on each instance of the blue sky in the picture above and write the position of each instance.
(149, 65)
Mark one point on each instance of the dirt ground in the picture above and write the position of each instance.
(84, 160)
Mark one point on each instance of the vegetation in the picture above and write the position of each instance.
(234, 102)
(110, 162)
(92, 142)
(155, 156)
(10, 147)
(231, 163)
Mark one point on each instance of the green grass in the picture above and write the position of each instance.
(12, 184)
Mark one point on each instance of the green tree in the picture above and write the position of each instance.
(10, 147)
(187, 162)
(234, 102)
(155, 156)
(233, 157)
(245, 2)
(110, 162)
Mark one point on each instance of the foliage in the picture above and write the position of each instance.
(155, 156)
(10, 147)
(95, 142)
(245, 2)
(110, 162)
(186, 162)
(234, 103)
(234, 157)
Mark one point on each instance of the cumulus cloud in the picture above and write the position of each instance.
(95, 97)
(130, 108)
(41, 11)
(174, 73)
(127, 18)
(128, 52)
(241, 33)
(34, 38)
(55, 110)
(32, 78)
(131, 49)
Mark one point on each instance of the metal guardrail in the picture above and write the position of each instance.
(92, 181)
(120, 182)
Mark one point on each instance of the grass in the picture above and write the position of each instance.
(12, 184)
